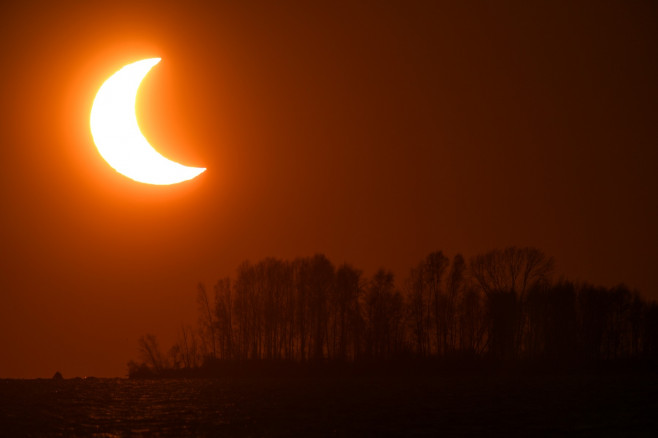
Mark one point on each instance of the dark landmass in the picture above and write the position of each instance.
(501, 310)
(394, 369)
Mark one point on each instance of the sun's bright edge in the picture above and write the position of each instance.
(117, 136)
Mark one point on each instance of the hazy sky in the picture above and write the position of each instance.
(373, 132)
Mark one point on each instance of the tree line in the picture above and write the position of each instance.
(501, 305)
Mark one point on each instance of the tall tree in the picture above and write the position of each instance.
(419, 304)
(434, 269)
(455, 283)
(505, 276)
(224, 318)
(207, 322)
(347, 320)
(384, 316)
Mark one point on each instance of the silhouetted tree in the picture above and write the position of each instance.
(501, 304)
(207, 323)
(433, 270)
(150, 353)
(419, 305)
(512, 269)
(505, 276)
(348, 323)
(321, 285)
(383, 307)
(649, 332)
(635, 321)
(552, 321)
(247, 312)
(472, 323)
(593, 314)
(302, 318)
(455, 284)
(618, 327)
(185, 352)
(224, 318)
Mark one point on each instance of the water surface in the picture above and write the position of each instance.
(365, 406)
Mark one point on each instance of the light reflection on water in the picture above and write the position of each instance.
(113, 407)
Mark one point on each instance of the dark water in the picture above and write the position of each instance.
(366, 406)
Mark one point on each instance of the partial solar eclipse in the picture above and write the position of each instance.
(118, 137)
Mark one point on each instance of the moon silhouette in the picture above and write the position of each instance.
(117, 135)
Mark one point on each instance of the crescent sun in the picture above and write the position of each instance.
(117, 135)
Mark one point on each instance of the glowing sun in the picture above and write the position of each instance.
(118, 137)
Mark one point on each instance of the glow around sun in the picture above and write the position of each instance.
(117, 135)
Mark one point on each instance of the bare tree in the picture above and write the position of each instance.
(433, 270)
(503, 304)
(384, 316)
(419, 309)
(189, 348)
(207, 322)
(224, 318)
(150, 353)
(321, 279)
(348, 320)
(505, 276)
(454, 286)
(511, 270)
(248, 312)
(472, 324)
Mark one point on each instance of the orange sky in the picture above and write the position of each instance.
(371, 133)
